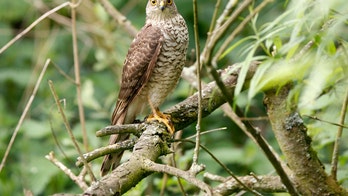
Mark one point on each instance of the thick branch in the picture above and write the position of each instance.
(185, 113)
(269, 184)
(152, 143)
(291, 134)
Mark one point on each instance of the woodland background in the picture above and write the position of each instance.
(277, 33)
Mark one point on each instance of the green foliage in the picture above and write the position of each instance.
(306, 45)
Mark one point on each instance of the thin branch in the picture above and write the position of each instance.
(335, 153)
(238, 29)
(260, 118)
(24, 114)
(227, 96)
(120, 19)
(120, 146)
(227, 11)
(199, 116)
(60, 19)
(32, 25)
(219, 31)
(178, 135)
(184, 113)
(213, 19)
(255, 134)
(325, 121)
(66, 76)
(250, 131)
(56, 139)
(150, 144)
(206, 132)
(155, 167)
(226, 169)
(164, 185)
(77, 77)
(68, 128)
(79, 181)
(134, 129)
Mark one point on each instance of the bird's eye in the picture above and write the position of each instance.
(153, 2)
(169, 2)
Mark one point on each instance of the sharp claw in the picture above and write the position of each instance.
(163, 118)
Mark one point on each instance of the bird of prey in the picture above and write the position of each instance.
(151, 70)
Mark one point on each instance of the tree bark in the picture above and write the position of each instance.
(291, 134)
(154, 140)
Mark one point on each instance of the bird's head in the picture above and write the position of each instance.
(161, 8)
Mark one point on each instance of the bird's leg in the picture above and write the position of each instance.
(160, 117)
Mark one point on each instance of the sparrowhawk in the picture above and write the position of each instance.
(151, 69)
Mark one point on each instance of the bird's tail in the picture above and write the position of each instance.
(111, 161)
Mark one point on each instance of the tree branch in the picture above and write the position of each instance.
(151, 145)
(271, 184)
(153, 142)
(291, 134)
(179, 173)
(185, 113)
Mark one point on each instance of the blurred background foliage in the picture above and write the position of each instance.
(275, 36)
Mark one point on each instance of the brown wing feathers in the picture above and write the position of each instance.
(138, 66)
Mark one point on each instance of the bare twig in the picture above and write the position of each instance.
(150, 146)
(120, 19)
(254, 134)
(325, 121)
(120, 146)
(227, 170)
(63, 73)
(24, 114)
(56, 139)
(32, 25)
(68, 128)
(60, 19)
(134, 129)
(206, 132)
(155, 167)
(335, 153)
(79, 181)
(237, 30)
(199, 117)
(78, 88)
(213, 19)
(227, 11)
(77, 77)
(218, 32)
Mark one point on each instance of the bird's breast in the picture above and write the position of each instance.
(170, 62)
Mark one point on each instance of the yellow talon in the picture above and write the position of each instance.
(163, 118)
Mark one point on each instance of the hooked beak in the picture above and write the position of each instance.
(162, 5)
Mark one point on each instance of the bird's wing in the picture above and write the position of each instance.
(138, 66)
